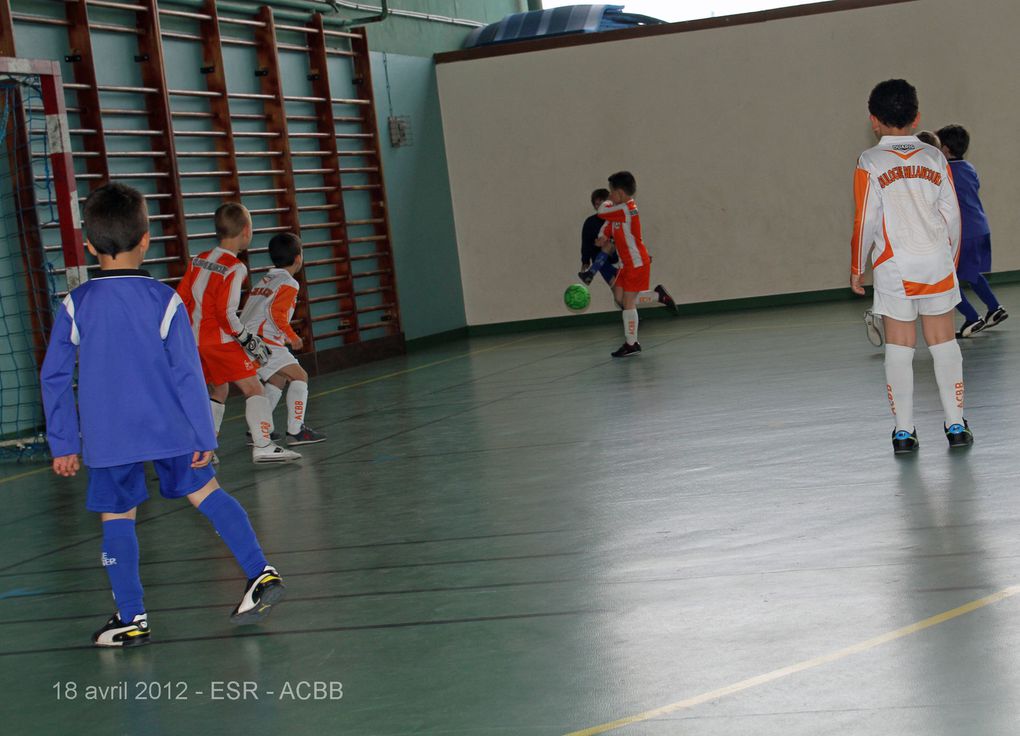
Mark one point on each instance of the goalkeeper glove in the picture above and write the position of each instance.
(253, 346)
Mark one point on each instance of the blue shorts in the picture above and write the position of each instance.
(120, 488)
(609, 271)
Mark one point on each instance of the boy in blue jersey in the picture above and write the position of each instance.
(141, 397)
(593, 259)
(976, 243)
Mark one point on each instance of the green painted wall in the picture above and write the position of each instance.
(418, 190)
(421, 218)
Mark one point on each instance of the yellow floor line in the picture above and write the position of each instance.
(12, 478)
(801, 666)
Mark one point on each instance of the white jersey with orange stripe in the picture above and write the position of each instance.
(270, 307)
(907, 218)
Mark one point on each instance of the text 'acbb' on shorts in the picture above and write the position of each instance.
(226, 363)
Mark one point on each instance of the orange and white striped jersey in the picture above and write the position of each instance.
(907, 218)
(211, 290)
(270, 307)
(623, 226)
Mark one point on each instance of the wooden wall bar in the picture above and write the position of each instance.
(207, 107)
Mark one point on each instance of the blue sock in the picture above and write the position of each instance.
(984, 292)
(598, 262)
(969, 313)
(120, 559)
(231, 522)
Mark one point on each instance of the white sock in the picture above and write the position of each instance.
(647, 299)
(218, 410)
(260, 419)
(297, 401)
(630, 322)
(949, 376)
(273, 393)
(899, 379)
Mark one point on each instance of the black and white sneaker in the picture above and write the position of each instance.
(260, 594)
(969, 328)
(586, 277)
(995, 316)
(625, 350)
(307, 436)
(273, 453)
(116, 633)
(904, 442)
(873, 327)
(959, 435)
(274, 436)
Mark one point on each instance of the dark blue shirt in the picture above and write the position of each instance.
(972, 214)
(141, 393)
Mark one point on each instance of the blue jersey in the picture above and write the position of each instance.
(141, 394)
(965, 180)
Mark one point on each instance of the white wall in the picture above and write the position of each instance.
(743, 141)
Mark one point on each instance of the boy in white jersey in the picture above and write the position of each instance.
(908, 219)
(267, 314)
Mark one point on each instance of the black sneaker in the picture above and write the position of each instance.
(273, 437)
(959, 435)
(586, 277)
(260, 594)
(969, 328)
(307, 436)
(904, 442)
(995, 316)
(666, 299)
(116, 633)
(626, 350)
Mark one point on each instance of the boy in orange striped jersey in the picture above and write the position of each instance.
(211, 291)
(908, 219)
(622, 231)
(268, 313)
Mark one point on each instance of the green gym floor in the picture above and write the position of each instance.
(520, 535)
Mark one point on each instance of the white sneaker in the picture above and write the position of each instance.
(273, 453)
(873, 325)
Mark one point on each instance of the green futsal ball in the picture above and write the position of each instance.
(577, 297)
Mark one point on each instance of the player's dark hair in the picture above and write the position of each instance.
(116, 219)
(231, 218)
(894, 103)
(926, 136)
(599, 195)
(956, 139)
(623, 180)
(284, 248)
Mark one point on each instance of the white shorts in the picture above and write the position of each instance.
(908, 310)
(279, 358)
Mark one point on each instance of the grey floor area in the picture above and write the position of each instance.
(520, 535)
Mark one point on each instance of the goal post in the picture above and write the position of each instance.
(38, 199)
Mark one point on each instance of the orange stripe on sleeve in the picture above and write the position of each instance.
(862, 185)
(281, 308)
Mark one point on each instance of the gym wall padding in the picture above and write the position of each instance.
(743, 140)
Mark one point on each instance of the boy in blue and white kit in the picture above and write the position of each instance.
(141, 397)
